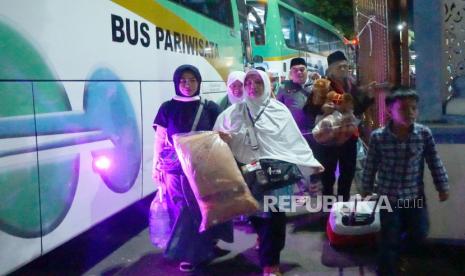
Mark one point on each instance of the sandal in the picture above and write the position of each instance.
(186, 267)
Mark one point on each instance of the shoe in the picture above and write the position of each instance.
(272, 271)
(186, 267)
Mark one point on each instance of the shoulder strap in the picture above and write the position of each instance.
(251, 129)
(259, 114)
(197, 116)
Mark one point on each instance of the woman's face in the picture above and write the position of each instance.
(254, 86)
(188, 84)
(237, 88)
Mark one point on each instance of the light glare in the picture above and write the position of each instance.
(102, 163)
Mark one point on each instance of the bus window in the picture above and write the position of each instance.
(288, 27)
(217, 10)
(329, 42)
(244, 27)
(323, 41)
(311, 36)
(300, 33)
(257, 21)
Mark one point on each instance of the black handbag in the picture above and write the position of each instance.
(271, 174)
(280, 173)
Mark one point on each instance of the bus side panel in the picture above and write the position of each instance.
(20, 227)
(71, 180)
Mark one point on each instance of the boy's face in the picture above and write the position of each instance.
(403, 112)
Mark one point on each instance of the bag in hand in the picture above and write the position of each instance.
(159, 221)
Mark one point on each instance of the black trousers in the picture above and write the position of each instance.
(329, 157)
(272, 237)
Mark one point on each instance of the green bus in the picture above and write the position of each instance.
(290, 32)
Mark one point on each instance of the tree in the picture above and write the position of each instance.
(338, 13)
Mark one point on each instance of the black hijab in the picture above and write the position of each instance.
(177, 77)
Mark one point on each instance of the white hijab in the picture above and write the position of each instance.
(234, 76)
(276, 132)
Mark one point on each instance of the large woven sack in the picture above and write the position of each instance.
(215, 179)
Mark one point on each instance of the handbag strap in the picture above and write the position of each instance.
(252, 135)
(197, 116)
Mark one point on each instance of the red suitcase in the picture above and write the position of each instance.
(353, 223)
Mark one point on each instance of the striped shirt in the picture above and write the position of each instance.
(396, 167)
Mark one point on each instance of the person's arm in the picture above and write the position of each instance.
(438, 172)
(159, 125)
(158, 144)
(370, 166)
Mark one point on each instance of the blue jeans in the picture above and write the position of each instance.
(401, 230)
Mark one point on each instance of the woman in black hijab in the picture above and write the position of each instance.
(177, 115)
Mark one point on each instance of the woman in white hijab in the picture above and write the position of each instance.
(263, 128)
(235, 86)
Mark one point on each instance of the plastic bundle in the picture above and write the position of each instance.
(215, 179)
(338, 123)
(335, 128)
(159, 221)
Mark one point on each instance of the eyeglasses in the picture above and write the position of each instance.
(185, 81)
